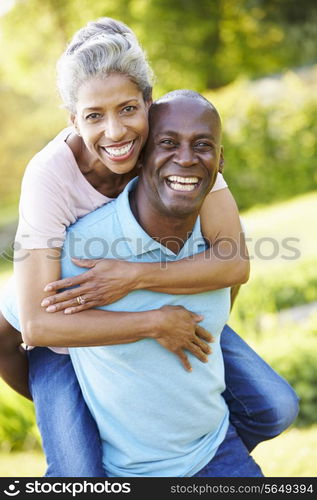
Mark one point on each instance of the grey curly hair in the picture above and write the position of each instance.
(98, 49)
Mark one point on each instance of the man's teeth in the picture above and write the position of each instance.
(182, 183)
(113, 151)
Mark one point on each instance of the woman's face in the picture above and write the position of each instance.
(112, 119)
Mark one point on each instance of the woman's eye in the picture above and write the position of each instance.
(129, 109)
(93, 116)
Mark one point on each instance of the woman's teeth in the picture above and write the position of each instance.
(182, 183)
(117, 152)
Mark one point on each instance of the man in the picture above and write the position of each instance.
(155, 418)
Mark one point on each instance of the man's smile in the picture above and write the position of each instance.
(182, 183)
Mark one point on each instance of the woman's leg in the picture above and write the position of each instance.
(69, 434)
(262, 404)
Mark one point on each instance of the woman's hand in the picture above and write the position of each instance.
(107, 281)
(178, 330)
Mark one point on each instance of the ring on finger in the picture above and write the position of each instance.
(80, 300)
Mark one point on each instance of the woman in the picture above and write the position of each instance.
(104, 80)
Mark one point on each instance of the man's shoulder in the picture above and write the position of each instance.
(95, 220)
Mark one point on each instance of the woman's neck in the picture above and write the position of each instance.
(96, 173)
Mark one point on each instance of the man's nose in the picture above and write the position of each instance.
(185, 156)
(115, 130)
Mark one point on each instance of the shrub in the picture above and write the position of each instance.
(269, 136)
(273, 293)
(18, 430)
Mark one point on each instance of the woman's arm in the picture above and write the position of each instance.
(225, 264)
(173, 327)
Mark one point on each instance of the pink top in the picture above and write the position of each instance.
(55, 194)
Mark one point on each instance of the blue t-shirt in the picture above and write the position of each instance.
(154, 417)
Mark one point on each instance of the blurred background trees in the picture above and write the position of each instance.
(203, 45)
(257, 61)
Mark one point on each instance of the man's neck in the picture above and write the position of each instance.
(172, 232)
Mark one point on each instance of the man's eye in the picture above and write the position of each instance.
(203, 145)
(167, 142)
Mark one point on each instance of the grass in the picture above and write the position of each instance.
(294, 218)
(293, 454)
(22, 464)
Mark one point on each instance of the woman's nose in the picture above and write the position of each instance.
(115, 130)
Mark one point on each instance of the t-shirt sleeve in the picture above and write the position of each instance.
(42, 210)
(220, 183)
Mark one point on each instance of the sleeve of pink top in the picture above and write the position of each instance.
(220, 183)
(42, 209)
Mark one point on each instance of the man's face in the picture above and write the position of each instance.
(182, 155)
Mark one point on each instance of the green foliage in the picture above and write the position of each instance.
(18, 430)
(269, 136)
(271, 294)
(25, 128)
(194, 45)
(201, 45)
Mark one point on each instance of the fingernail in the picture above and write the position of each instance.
(67, 311)
(45, 302)
(47, 288)
(51, 309)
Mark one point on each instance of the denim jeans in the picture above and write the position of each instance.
(70, 436)
(261, 404)
(231, 460)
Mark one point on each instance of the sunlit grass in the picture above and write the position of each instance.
(294, 454)
(22, 464)
(294, 218)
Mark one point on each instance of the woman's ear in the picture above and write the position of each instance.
(221, 161)
(73, 119)
(149, 100)
(139, 163)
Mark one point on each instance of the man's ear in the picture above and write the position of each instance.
(221, 161)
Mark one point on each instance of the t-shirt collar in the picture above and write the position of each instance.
(140, 242)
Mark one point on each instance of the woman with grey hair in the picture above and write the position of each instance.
(105, 82)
